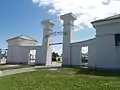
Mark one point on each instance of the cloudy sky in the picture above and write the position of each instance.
(85, 10)
(24, 16)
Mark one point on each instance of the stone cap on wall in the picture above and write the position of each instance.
(111, 18)
(22, 37)
(47, 21)
(70, 16)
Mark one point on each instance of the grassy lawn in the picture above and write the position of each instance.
(62, 79)
(4, 67)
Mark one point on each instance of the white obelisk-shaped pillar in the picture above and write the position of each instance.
(46, 48)
(68, 26)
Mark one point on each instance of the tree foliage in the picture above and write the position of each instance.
(54, 56)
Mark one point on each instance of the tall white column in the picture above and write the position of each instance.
(68, 26)
(46, 57)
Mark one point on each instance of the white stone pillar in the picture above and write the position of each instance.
(46, 58)
(68, 26)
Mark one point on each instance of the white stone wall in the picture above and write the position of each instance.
(107, 54)
(118, 56)
(39, 56)
(75, 55)
(20, 54)
(76, 52)
(92, 54)
(14, 54)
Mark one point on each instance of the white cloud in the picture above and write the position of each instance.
(84, 49)
(58, 50)
(85, 10)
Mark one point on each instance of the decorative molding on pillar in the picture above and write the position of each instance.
(68, 16)
(47, 21)
(48, 25)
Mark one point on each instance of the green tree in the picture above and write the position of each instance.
(54, 56)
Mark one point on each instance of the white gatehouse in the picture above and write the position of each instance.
(103, 51)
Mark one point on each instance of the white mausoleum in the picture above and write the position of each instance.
(103, 51)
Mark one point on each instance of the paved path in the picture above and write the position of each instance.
(36, 68)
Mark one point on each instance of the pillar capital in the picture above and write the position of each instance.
(48, 24)
(68, 18)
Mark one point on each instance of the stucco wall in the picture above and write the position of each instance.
(75, 55)
(14, 54)
(118, 56)
(76, 52)
(107, 54)
(105, 51)
(26, 51)
(20, 54)
(40, 57)
(92, 54)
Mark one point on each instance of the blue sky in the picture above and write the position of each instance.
(23, 17)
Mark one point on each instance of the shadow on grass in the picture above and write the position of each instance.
(94, 72)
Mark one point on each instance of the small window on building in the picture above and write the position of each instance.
(117, 39)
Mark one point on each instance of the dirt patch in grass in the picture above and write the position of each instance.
(5, 67)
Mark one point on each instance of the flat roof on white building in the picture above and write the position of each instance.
(108, 18)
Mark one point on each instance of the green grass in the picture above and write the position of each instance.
(3, 67)
(62, 79)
